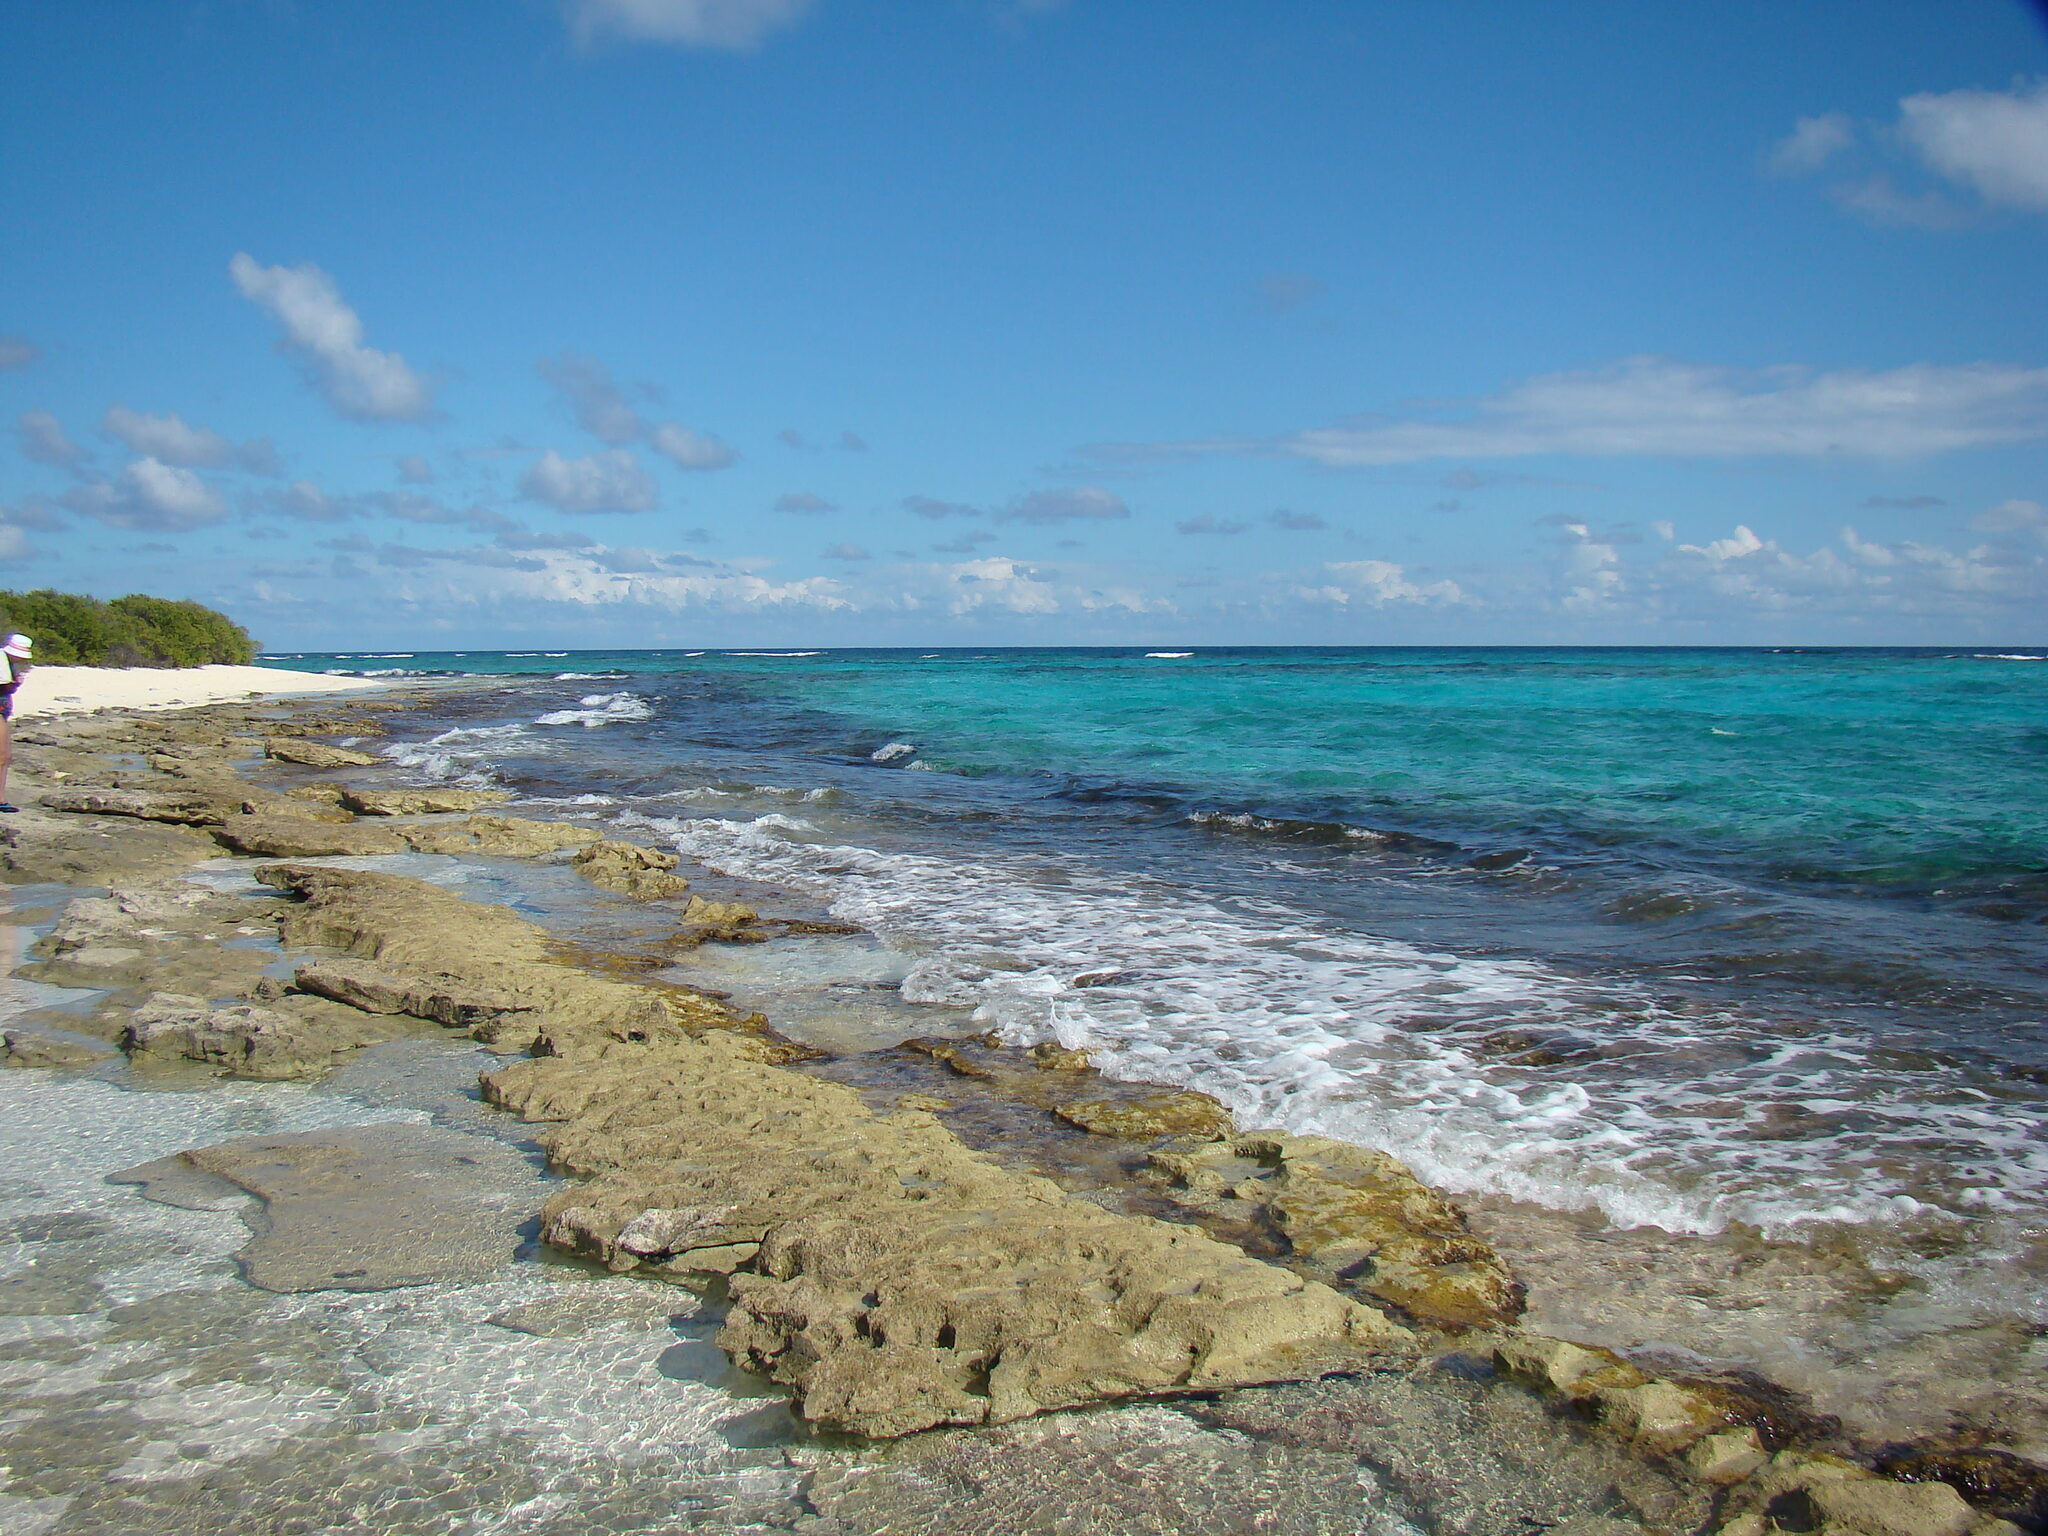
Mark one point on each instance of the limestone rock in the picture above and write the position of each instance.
(901, 1280)
(294, 838)
(1726, 1457)
(418, 802)
(185, 807)
(719, 914)
(1876, 1507)
(313, 754)
(25, 1048)
(1557, 1365)
(504, 837)
(438, 998)
(641, 873)
(1659, 1418)
(1355, 1218)
(1138, 1119)
(243, 1040)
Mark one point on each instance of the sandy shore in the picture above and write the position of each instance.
(81, 690)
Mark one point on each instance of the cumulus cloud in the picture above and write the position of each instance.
(612, 481)
(1084, 503)
(602, 410)
(17, 352)
(166, 438)
(734, 25)
(410, 508)
(1995, 142)
(414, 469)
(150, 495)
(803, 501)
(2014, 517)
(1813, 142)
(847, 552)
(304, 500)
(689, 450)
(1375, 584)
(42, 438)
(1651, 406)
(965, 543)
(326, 336)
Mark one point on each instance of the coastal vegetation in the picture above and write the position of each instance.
(132, 631)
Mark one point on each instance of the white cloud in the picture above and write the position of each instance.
(735, 25)
(688, 450)
(1650, 405)
(150, 495)
(613, 481)
(414, 469)
(13, 543)
(2014, 517)
(847, 552)
(602, 410)
(1377, 583)
(1083, 503)
(1812, 143)
(307, 502)
(166, 438)
(17, 352)
(1995, 142)
(43, 439)
(359, 382)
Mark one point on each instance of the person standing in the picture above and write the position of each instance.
(16, 658)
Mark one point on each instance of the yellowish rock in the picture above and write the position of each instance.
(1141, 1118)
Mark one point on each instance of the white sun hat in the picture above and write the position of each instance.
(19, 645)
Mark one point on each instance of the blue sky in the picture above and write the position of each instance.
(674, 322)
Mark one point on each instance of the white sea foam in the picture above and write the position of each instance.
(770, 653)
(597, 709)
(1168, 655)
(2005, 656)
(1672, 1118)
(893, 751)
(462, 755)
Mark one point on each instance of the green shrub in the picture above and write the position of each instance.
(131, 631)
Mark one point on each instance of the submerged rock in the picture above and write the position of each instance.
(243, 1039)
(367, 1208)
(26, 1048)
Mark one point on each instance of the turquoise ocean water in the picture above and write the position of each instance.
(1691, 938)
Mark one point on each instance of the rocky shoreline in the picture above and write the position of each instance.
(893, 1277)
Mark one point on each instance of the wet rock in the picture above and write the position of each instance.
(948, 1055)
(1557, 1365)
(71, 850)
(23, 1048)
(418, 802)
(1057, 1058)
(1658, 1418)
(371, 1208)
(1726, 1457)
(1880, 1508)
(313, 754)
(1185, 1113)
(243, 1040)
(641, 873)
(295, 838)
(1354, 1218)
(1996, 1481)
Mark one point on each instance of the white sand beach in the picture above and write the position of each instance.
(80, 690)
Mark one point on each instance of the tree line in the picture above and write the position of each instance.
(132, 631)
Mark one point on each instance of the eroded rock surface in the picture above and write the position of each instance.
(417, 802)
(313, 754)
(641, 873)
